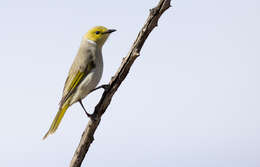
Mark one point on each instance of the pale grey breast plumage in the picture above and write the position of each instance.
(89, 61)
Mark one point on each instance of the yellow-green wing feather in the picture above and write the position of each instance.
(64, 104)
(76, 75)
(70, 88)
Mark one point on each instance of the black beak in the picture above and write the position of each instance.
(109, 31)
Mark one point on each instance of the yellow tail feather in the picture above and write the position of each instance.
(56, 120)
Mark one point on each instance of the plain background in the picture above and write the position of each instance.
(190, 99)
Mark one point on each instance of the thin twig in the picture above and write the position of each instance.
(88, 134)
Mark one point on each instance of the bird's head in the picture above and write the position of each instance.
(98, 34)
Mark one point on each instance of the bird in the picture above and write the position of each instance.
(84, 74)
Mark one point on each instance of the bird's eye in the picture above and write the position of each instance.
(97, 32)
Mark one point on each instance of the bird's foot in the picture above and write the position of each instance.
(89, 115)
(105, 87)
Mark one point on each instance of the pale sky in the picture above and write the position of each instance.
(190, 100)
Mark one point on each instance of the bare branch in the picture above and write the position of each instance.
(88, 134)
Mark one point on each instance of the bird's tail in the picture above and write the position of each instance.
(57, 120)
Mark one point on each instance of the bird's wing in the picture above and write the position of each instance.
(81, 67)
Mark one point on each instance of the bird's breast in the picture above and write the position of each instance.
(92, 79)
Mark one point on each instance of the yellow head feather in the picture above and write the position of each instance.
(98, 34)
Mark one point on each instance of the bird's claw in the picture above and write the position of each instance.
(105, 87)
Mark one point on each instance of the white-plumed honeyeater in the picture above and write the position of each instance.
(84, 74)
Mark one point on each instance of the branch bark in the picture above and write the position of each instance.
(88, 134)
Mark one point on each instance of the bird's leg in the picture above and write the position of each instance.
(105, 86)
(89, 115)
